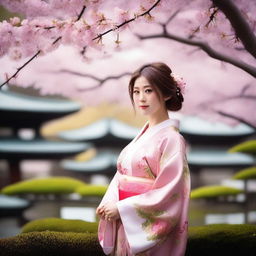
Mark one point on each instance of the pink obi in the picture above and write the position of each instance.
(132, 186)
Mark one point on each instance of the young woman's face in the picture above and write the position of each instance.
(146, 99)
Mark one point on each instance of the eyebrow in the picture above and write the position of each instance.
(145, 86)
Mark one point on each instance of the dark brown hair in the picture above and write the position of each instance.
(159, 76)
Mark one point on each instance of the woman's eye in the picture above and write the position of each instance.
(135, 92)
(148, 90)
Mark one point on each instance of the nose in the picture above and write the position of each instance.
(142, 97)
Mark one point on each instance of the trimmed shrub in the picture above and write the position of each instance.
(51, 244)
(222, 239)
(53, 185)
(248, 147)
(91, 190)
(60, 225)
(214, 191)
(210, 240)
(246, 174)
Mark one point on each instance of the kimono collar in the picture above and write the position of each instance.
(167, 122)
(152, 130)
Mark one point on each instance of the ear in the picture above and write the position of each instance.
(167, 98)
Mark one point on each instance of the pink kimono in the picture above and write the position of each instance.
(151, 189)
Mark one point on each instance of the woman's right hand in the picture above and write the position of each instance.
(110, 211)
(100, 212)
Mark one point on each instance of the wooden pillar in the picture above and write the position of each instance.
(14, 171)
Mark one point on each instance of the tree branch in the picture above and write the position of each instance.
(238, 22)
(236, 118)
(206, 48)
(127, 21)
(20, 68)
(98, 37)
(35, 55)
(81, 13)
(222, 113)
(99, 80)
(164, 25)
(220, 98)
(245, 88)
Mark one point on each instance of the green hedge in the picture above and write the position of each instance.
(246, 174)
(60, 225)
(248, 147)
(208, 240)
(52, 185)
(50, 243)
(214, 191)
(222, 239)
(91, 190)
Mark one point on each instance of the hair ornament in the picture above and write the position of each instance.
(179, 95)
(181, 85)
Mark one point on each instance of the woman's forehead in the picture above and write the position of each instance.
(142, 82)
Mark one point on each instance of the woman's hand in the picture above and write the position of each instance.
(108, 211)
(100, 212)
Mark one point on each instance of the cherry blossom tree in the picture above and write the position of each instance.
(223, 29)
(84, 23)
(49, 24)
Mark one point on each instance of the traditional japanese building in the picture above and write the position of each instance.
(22, 114)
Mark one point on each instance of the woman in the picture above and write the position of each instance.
(144, 211)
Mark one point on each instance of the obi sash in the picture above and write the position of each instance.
(131, 186)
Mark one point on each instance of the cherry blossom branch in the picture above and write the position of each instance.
(206, 48)
(241, 95)
(172, 17)
(239, 24)
(20, 68)
(211, 19)
(236, 118)
(97, 37)
(221, 98)
(128, 21)
(249, 97)
(99, 80)
(81, 13)
(245, 88)
(38, 52)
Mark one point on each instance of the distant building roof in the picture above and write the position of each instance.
(201, 157)
(102, 131)
(39, 149)
(19, 110)
(200, 131)
(104, 163)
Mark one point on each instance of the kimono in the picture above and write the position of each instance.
(151, 189)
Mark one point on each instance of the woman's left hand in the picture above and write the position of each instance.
(111, 211)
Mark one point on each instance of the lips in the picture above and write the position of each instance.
(143, 107)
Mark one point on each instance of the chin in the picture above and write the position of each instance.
(144, 113)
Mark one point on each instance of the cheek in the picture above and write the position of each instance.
(154, 99)
(135, 98)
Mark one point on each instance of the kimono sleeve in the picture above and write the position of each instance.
(151, 217)
(111, 194)
(107, 229)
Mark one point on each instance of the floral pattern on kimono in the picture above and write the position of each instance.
(153, 222)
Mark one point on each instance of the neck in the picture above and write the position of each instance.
(154, 120)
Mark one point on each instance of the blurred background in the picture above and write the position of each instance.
(68, 114)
